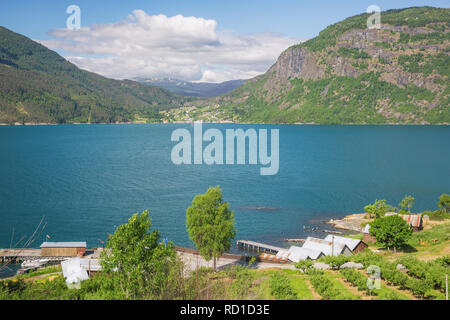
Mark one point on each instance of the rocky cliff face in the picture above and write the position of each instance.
(300, 62)
(296, 63)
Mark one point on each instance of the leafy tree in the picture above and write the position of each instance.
(136, 261)
(444, 202)
(391, 231)
(210, 224)
(378, 209)
(406, 204)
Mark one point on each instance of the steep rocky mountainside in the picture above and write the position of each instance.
(38, 85)
(349, 73)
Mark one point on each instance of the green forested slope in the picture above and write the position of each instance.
(38, 85)
(351, 74)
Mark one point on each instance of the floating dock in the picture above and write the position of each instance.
(258, 247)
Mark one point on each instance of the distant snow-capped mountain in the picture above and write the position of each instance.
(193, 89)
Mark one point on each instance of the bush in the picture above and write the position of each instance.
(444, 261)
(367, 258)
(438, 215)
(390, 295)
(357, 279)
(243, 280)
(335, 262)
(304, 264)
(432, 272)
(419, 287)
(281, 287)
(326, 288)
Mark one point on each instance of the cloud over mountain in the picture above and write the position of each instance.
(157, 46)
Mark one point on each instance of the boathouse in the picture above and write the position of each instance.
(297, 254)
(63, 249)
(354, 245)
(328, 248)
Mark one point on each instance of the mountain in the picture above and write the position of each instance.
(38, 85)
(193, 89)
(351, 74)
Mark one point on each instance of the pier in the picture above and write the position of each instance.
(20, 255)
(258, 247)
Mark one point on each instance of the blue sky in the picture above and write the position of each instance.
(294, 19)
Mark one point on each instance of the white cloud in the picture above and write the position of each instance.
(188, 48)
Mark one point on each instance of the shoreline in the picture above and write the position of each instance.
(351, 222)
(17, 124)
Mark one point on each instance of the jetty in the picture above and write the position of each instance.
(258, 247)
(19, 255)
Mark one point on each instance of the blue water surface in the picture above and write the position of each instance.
(88, 179)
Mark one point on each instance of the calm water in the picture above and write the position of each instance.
(86, 180)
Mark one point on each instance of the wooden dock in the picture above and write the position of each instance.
(20, 255)
(258, 247)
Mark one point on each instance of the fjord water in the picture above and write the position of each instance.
(88, 179)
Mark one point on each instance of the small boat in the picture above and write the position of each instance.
(34, 263)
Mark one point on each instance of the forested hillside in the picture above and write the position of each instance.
(37, 85)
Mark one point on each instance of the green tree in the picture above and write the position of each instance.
(406, 204)
(444, 202)
(136, 261)
(378, 208)
(210, 224)
(391, 231)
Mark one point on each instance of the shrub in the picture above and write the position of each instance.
(243, 280)
(335, 262)
(438, 215)
(358, 280)
(304, 264)
(390, 295)
(326, 288)
(444, 261)
(281, 287)
(419, 287)
(432, 272)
